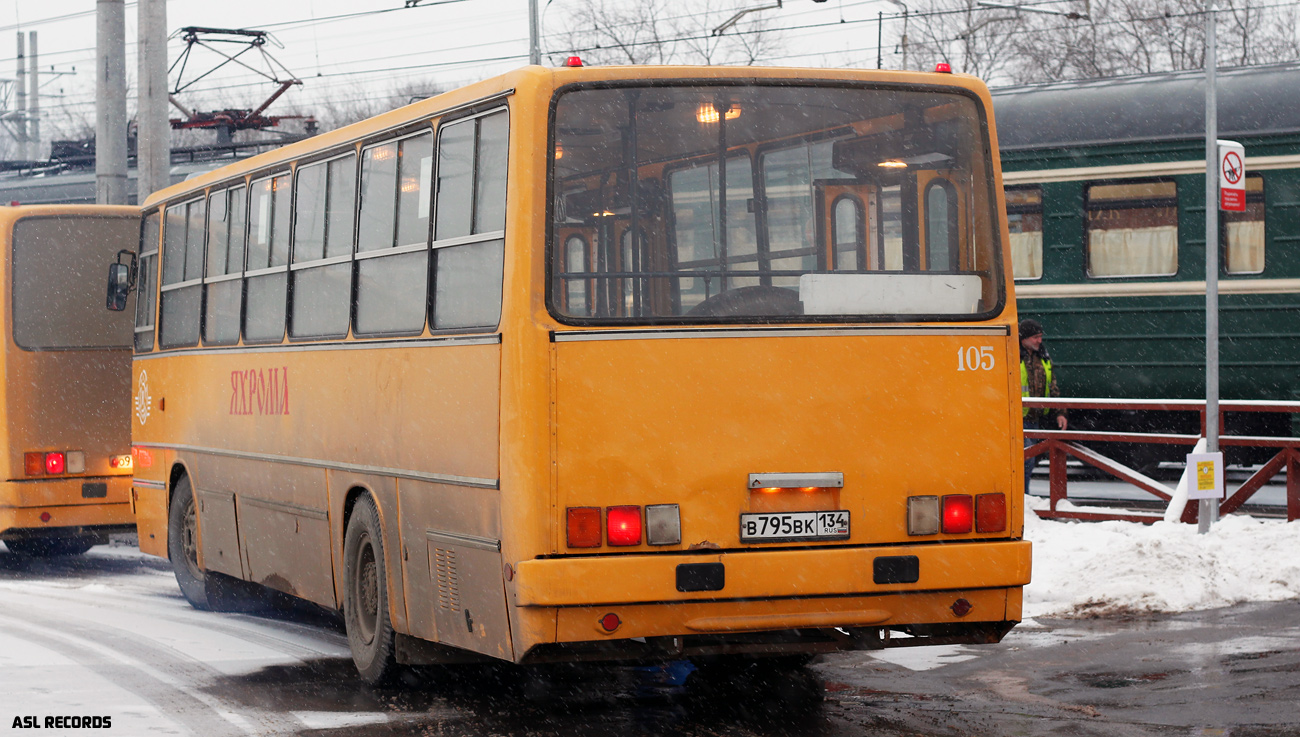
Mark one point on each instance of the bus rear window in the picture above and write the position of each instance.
(58, 271)
(768, 203)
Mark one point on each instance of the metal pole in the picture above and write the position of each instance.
(880, 39)
(153, 131)
(110, 102)
(20, 123)
(1209, 508)
(34, 103)
(534, 34)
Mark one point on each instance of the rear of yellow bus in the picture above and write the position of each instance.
(66, 370)
(785, 414)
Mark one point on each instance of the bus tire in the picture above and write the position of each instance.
(50, 547)
(182, 545)
(365, 596)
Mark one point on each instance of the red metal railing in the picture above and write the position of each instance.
(1061, 444)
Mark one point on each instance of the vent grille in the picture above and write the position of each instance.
(444, 567)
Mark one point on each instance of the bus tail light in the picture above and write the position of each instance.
(120, 462)
(582, 527)
(55, 463)
(76, 462)
(663, 524)
(990, 513)
(623, 525)
(922, 515)
(34, 464)
(957, 513)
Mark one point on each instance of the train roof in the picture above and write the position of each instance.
(1252, 101)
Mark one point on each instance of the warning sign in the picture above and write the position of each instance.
(1232, 176)
(1208, 480)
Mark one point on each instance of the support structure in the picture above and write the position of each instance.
(34, 100)
(153, 130)
(1208, 507)
(110, 102)
(20, 101)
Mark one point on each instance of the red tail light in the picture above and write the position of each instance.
(54, 463)
(582, 527)
(34, 464)
(990, 513)
(957, 513)
(623, 525)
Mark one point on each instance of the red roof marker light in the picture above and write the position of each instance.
(573, 61)
(943, 67)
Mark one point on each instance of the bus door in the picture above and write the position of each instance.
(845, 207)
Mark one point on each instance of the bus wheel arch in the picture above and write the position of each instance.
(366, 617)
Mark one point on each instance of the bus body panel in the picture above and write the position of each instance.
(59, 394)
(686, 420)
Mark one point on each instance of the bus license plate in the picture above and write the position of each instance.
(774, 526)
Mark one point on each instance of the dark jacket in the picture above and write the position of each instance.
(1038, 379)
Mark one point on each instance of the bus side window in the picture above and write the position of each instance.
(182, 274)
(266, 274)
(471, 215)
(942, 226)
(393, 250)
(223, 286)
(146, 284)
(322, 249)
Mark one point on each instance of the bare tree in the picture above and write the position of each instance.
(666, 32)
(972, 39)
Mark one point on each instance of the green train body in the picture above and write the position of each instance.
(1086, 147)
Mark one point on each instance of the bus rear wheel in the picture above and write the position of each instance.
(182, 545)
(50, 547)
(365, 596)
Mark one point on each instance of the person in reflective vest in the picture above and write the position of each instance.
(1037, 380)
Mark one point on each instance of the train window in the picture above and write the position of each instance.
(469, 244)
(223, 286)
(1243, 232)
(146, 283)
(941, 226)
(393, 249)
(322, 249)
(182, 273)
(1025, 221)
(267, 272)
(1132, 229)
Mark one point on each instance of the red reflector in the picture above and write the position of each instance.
(957, 513)
(45, 516)
(943, 67)
(610, 622)
(573, 61)
(582, 527)
(54, 462)
(623, 525)
(990, 513)
(34, 464)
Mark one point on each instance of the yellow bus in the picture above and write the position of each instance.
(66, 371)
(598, 363)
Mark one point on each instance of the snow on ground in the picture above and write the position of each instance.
(1100, 568)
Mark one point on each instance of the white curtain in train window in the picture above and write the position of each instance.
(1133, 251)
(1245, 252)
(1027, 255)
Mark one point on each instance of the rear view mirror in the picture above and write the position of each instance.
(121, 277)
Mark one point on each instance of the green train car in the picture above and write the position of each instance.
(1105, 185)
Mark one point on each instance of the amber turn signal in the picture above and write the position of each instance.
(990, 513)
(582, 527)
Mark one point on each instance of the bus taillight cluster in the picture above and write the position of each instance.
(54, 463)
(623, 526)
(956, 514)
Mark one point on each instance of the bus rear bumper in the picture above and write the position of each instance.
(969, 592)
(49, 504)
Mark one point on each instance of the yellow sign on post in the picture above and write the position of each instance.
(1209, 475)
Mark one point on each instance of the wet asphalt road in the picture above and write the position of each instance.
(108, 634)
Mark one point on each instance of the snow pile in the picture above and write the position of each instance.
(1107, 568)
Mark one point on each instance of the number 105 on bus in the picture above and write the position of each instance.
(794, 526)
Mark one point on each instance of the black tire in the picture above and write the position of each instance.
(365, 596)
(50, 547)
(182, 545)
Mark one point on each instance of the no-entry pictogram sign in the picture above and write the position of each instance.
(1232, 176)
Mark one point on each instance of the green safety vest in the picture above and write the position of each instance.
(1024, 382)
